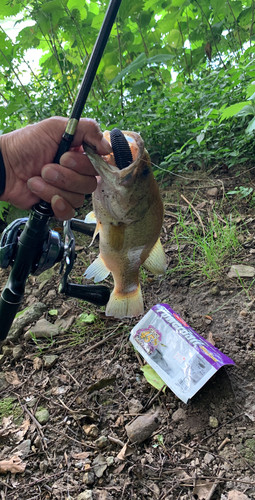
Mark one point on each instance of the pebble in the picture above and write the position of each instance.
(215, 290)
(89, 478)
(243, 313)
(17, 352)
(213, 192)
(179, 415)
(110, 461)
(3, 382)
(101, 442)
(91, 430)
(7, 350)
(208, 458)
(134, 406)
(242, 271)
(85, 495)
(213, 422)
(49, 360)
(42, 415)
(142, 427)
(23, 449)
(42, 329)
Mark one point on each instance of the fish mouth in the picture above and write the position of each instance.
(124, 148)
(107, 166)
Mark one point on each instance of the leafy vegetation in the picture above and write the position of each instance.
(180, 72)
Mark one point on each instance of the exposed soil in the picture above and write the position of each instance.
(191, 455)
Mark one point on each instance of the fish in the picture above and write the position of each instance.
(129, 213)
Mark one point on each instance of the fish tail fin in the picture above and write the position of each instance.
(125, 305)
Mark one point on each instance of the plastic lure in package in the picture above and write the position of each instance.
(181, 357)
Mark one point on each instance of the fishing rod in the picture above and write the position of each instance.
(36, 247)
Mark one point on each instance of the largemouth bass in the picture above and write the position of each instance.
(129, 216)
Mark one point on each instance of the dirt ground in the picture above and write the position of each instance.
(202, 450)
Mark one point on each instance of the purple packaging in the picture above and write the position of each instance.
(181, 357)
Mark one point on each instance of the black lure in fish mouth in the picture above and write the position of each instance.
(121, 150)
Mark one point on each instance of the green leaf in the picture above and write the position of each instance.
(138, 63)
(200, 138)
(160, 58)
(232, 110)
(152, 377)
(53, 312)
(4, 205)
(174, 39)
(251, 126)
(247, 110)
(87, 318)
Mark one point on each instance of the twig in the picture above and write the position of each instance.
(74, 379)
(37, 424)
(214, 486)
(21, 487)
(196, 212)
(116, 441)
(101, 342)
(149, 403)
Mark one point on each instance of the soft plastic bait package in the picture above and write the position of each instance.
(182, 358)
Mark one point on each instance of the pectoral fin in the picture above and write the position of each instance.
(97, 270)
(156, 262)
(90, 218)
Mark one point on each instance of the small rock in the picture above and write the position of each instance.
(42, 329)
(51, 294)
(242, 271)
(89, 478)
(179, 415)
(85, 495)
(91, 430)
(134, 406)
(208, 458)
(17, 352)
(243, 313)
(213, 192)
(3, 382)
(23, 449)
(7, 350)
(110, 461)
(29, 315)
(215, 290)
(99, 465)
(49, 360)
(46, 275)
(31, 403)
(43, 466)
(213, 422)
(142, 427)
(38, 442)
(42, 415)
(101, 442)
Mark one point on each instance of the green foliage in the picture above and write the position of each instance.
(181, 73)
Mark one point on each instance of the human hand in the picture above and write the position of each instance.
(30, 174)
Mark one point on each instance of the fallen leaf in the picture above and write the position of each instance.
(125, 452)
(13, 465)
(152, 377)
(202, 489)
(21, 431)
(12, 378)
(80, 456)
(37, 364)
(210, 338)
(7, 425)
(119, 469)
(237, 495)
(104, 382)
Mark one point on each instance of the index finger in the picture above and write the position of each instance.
(89, 131)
